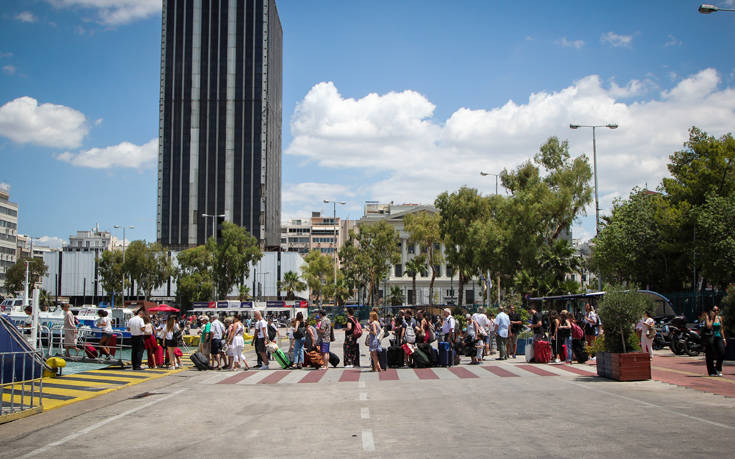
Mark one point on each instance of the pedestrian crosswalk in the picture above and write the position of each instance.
(342, 375)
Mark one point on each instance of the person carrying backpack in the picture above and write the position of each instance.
(353, 332)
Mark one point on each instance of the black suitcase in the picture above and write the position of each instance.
(333, 359)
(580, 353)
(383, 359)
(200, 361)
(420, 359)
(395, 357)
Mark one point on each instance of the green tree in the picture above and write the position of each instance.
(318, 272)
(369, 253)
(232, 256)
(715, 220)
(414, 266)
(459, 210)
(291, 283)
(111, 271)
(15, 276)
(396, 296)
(423, 229)
(148, 265)
(340, 291)
(194, 276)
(354, 264)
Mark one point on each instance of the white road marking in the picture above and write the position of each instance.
(642, 402)
(367, 440)
(361, 384)
(363, 396)
(365, 413)
(96, 426)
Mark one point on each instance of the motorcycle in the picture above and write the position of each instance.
(663, 332)
(685, 340)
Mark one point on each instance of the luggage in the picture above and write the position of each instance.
(420, 359)
(447, 356)
(91, 351)
(200, 361)
(541, 351)
(333, 359)
(563, 352)
(282, 359)
(178, 353)
(395, 357)
(112, 345)
(408, 349)
(314, 358)
(383, 358)
(529, 352)
(430, 352)
(158, 355)
(579, 351)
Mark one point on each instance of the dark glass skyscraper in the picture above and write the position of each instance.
(220, 119)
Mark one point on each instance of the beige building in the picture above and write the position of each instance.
(322, 233)
(8, 235)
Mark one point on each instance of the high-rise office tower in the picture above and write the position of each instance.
(220, 120)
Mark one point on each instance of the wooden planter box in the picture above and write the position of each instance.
(631, 366)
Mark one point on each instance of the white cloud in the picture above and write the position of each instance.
(401, 154)
(26, 16)
(9, 69)
(577, 44)
(3, 55)
(23, 120)
(114, 12)
(673, 41)
(98, 121)
(125, 154)
(5, 187)
(615, 40)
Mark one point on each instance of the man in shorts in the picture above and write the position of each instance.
(324, 332)
(218, 332)
(261, 339)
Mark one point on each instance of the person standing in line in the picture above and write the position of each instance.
(473, 339)
(135, 327)
(484, 324)
(502, 324)
(291, 339)
(648, 332)
(238, 344)
(205, 339)
(351, 346)
(713, 336)
(261, 339)
(564, 335)
(491, 333)
(448, 327)
(554, 335)
(591, 322)
(324, 331)
(299, 337)
(375, 330)
(70, 331)
(149, 341)
(171, 328)
(516, 325)
(224, 347)
(105, 324)
(217, 329)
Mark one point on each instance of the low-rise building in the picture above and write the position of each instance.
(8, 235)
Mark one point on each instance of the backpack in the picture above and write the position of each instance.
(410, 335)
(356, 329)
(272, 332)
(299, 332)
(577, 332)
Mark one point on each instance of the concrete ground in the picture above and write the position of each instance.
(496, 409)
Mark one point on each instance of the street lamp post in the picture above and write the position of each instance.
(706, 8)
(594, 165)
(485, 174)
(334, 222)
(123, 250)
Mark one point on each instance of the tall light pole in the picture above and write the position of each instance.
(706, 8)
(123, 248)
(485, 174)
(594, 165)
(334, 222)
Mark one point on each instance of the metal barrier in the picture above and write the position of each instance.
(22, 384)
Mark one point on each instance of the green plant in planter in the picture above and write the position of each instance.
(311, 321)
(340, 320)
(598, 345)
(619, 311)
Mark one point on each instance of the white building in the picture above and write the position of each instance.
(8, 235)
(94, 240)
(318, 233)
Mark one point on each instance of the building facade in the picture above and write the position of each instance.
(94, 240)
(8, 235)
(317, 233)
(220, 120)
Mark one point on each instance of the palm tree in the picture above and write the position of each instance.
(396, 296)
(291, 283)
(413, 267)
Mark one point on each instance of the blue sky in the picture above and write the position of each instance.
(383, 100)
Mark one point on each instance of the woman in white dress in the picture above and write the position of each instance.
(648, 328)
(238, 345)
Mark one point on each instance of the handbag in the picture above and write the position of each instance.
(650, 333)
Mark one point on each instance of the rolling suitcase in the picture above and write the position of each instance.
(395, 357)
(281, 358)
(200, 361)
(333, 359)
(447, 355)
(158, 356)
(579, 351)
(383, 358)
(91, 351)
(420, 359)
(541, 351)
(112, 345)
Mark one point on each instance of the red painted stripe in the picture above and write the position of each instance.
(536, 370)
(274, 377)
(425, 373)
(388, 375)
(575, 370)
(462, 373)
(350, 376)
(503, 373)
(314, 376)
(237, 378)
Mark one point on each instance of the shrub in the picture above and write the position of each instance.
(728, 311)
(619, 311)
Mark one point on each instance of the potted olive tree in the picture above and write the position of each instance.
(621, 358)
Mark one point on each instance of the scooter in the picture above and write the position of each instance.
(685, 340)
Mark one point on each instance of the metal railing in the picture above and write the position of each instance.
(22, 383)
